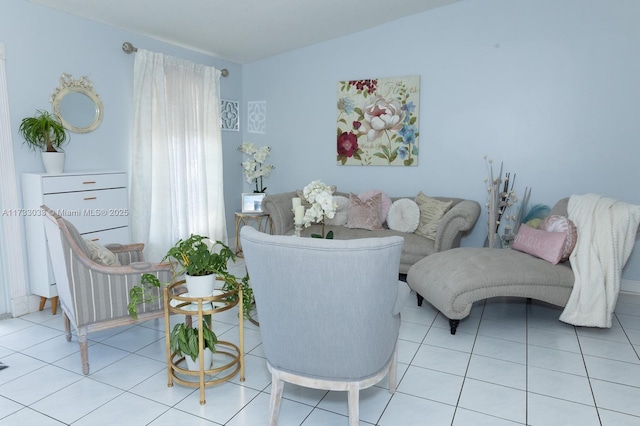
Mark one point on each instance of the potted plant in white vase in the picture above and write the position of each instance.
(199, 261)
(184, 342)
(45, 132)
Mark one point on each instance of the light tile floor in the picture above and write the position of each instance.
(511, 363)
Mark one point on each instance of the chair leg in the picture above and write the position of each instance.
(354, 405)
(84, 352)
(277, 386)
(67, 326)
(420, 299)
(393, 371)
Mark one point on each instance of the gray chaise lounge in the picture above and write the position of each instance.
(453, 280)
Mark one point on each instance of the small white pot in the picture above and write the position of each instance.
(201, 286)
(195, 365)
(53, 162)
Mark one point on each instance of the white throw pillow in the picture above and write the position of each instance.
(404, 215)
(101, 255)
(342, 212)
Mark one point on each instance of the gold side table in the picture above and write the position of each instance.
(262, 221)
(200, 307)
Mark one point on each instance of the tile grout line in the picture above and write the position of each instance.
(627, 336)
(399, 379)
(586, 370)
(466, 371)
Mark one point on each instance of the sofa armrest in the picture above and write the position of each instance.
(458, 220)
(279, 207)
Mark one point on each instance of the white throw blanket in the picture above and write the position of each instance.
(606, 235)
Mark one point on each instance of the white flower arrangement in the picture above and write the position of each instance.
(320, 196)
(254, 168)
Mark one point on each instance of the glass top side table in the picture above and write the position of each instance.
(262, 220)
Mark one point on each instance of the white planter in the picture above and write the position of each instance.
(53, 162)
(195, 365)
(201, 286)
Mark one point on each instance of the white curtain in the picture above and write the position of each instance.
(12, 267)
(176, 167)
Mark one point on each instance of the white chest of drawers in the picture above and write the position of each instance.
(96, 203)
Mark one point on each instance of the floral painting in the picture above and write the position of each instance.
(378, 122)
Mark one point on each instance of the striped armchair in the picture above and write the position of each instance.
(93, 296)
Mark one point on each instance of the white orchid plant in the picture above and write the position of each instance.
(253, 167)
(320, 196)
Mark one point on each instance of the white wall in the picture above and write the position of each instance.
(550, 87)
(42, 43)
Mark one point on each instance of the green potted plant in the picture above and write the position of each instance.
(45, 132)
(194, 258)
(184, 342)
(200, 263)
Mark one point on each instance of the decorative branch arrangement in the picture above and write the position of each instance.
(502, 198)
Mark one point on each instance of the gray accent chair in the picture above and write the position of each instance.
(92, 296)
(329, 311)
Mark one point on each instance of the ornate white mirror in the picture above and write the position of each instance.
(77, 105)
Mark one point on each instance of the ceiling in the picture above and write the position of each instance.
(243, 31)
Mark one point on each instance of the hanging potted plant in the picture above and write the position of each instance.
(45, 132)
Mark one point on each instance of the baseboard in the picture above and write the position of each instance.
(630, 286)
(20, 306)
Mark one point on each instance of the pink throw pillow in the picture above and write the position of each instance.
(364, 214)
(385, 202)
(545, 245)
